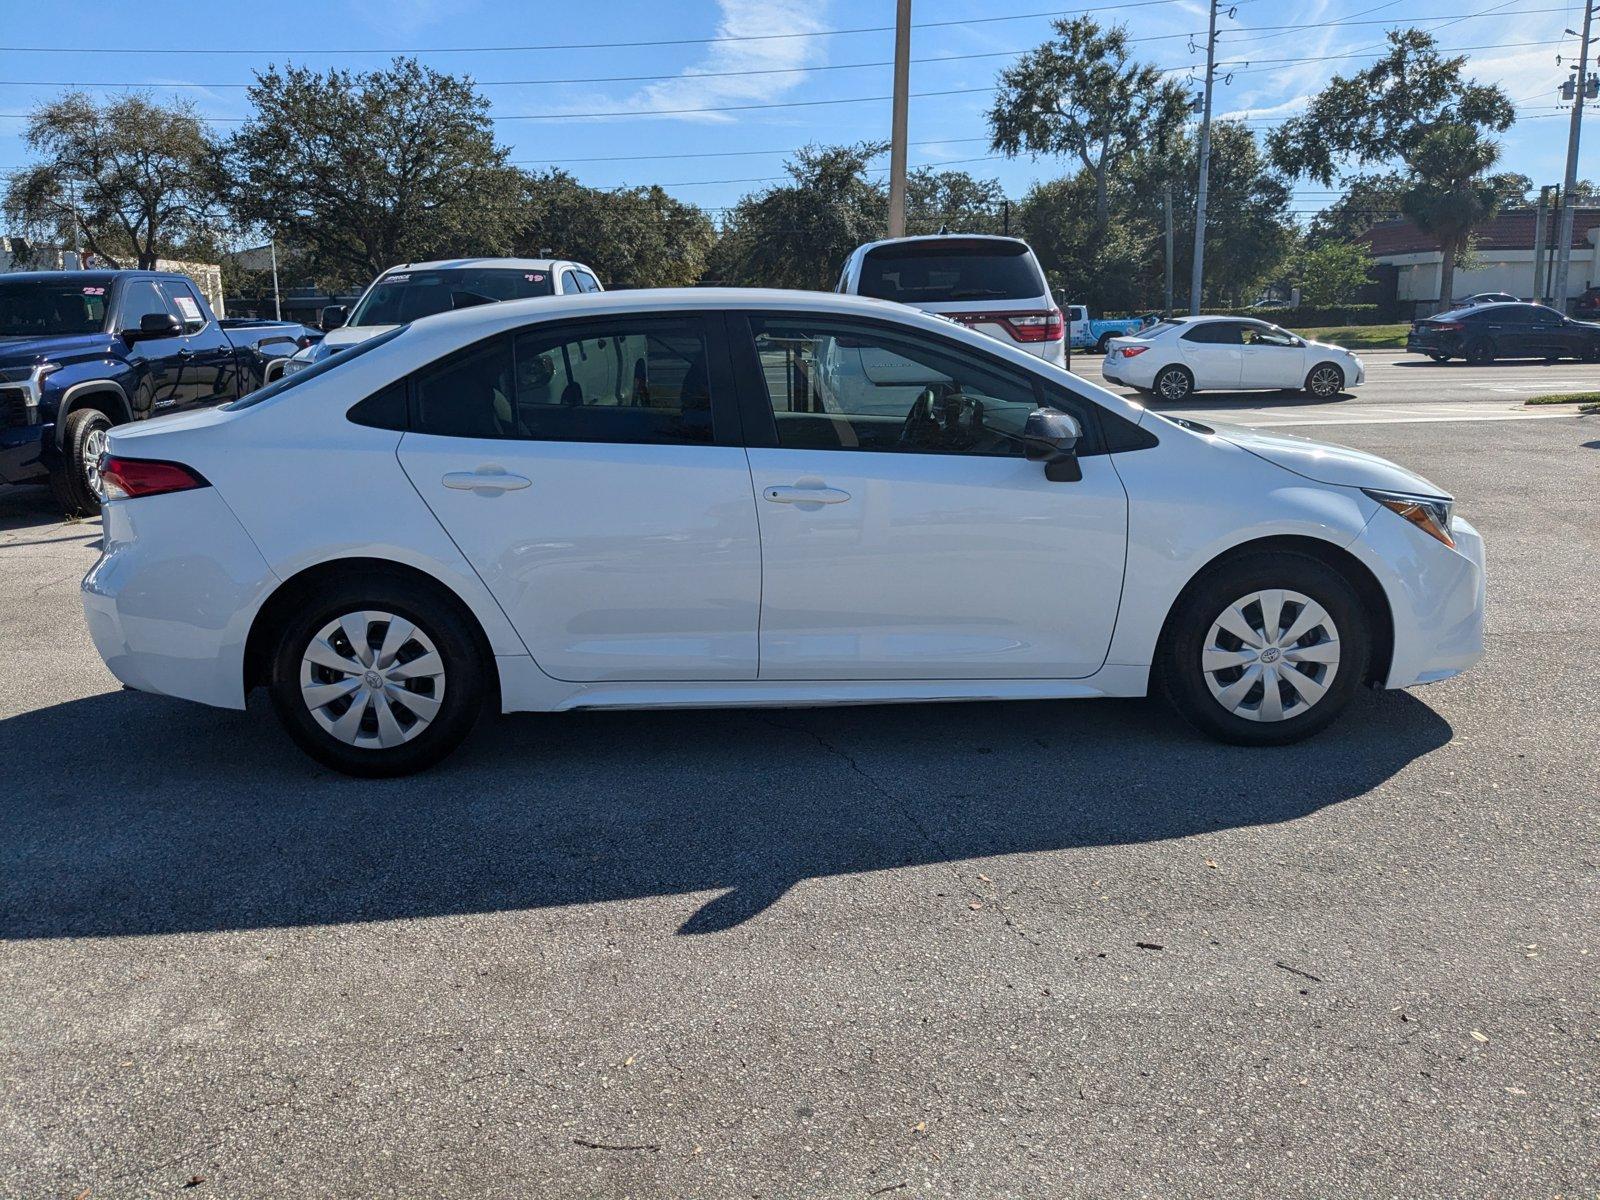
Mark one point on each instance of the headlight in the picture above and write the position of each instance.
(1431, 514)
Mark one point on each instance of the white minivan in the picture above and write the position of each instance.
(991, 284)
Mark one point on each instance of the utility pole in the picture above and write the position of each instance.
(897, 135)
(1197, 278)
(277, 299)
(1564, 234)
(1538, 245)
(1166, 195)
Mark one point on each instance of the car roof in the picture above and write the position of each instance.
(509, 264)
(941, 237)
(85, 276)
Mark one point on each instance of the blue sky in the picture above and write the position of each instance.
(713, 158)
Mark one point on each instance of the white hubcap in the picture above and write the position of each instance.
(372, 679)
(1271, 655)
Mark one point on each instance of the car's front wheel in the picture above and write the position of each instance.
(1265, 650)
(1174, 383)
(75, 483)
(1325, 381)
(377, 679)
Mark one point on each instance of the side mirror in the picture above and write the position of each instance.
(333, 316)
(1052, 437)
(153, 326)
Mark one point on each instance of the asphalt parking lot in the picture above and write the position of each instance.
(1047, 949)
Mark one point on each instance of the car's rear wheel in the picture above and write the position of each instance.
(1325, 380)
(1480, 353)
(1174, 383)
(75, 483)
(378, 679)
(1265, 650)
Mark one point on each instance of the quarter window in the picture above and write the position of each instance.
(839, 386)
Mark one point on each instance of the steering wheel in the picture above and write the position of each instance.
(949, 422)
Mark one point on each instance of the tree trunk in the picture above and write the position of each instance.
(1102, 205)
(1447, 272)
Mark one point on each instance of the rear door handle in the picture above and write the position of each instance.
(806, 495)
(485, 481)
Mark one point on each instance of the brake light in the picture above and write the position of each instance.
(1133, 351)
(1448, 326)
(126, 478)
(1035, 326)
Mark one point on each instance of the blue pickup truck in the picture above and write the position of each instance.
(1084, 331)
(81, 351)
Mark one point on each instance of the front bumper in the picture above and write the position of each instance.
(170, 601)
(1436, 596)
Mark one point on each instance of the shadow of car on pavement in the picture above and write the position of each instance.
(131, 814)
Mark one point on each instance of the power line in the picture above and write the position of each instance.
(694, 41)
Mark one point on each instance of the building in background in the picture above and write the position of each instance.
(1503, 258)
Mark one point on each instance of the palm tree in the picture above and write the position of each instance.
(1449, 193)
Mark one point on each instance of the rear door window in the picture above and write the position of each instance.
(940, 272)
(1214, 333)
(182, 297)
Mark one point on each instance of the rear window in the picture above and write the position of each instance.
(938, 272)
(402, 296)
(332, 363)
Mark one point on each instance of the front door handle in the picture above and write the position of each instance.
(806, 495)
(486, 481)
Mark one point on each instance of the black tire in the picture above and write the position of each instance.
(74, 483)
(464, 681)
(1173, 383)
(1440, 358)
(1591, 353)
(1479, 353)
(1323, 386)
(1178, 659)
(1104, 343)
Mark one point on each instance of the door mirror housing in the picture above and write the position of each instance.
(153, 326)
(1052, 437)
(332, 317)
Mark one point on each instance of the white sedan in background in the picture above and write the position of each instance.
(1184, 355)
(705, 497)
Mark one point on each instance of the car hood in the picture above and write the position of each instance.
(1327, 463)
(349, 335)
(24, 351)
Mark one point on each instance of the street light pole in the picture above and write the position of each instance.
(1197, 274)
(897, 135)
(1558, 288)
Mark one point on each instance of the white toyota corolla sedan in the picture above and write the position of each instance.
(1182, 355)
(701, 497)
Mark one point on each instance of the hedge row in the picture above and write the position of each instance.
(1308, 316)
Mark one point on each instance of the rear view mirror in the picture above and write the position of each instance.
(1052, 437)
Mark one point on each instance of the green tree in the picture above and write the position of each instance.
(126, 179)
(1333, 273)
(1081, 95)
(1414, 108)
(798, 234)
(637, 237)
(1367, 200)
(953, 200)
(363, 170)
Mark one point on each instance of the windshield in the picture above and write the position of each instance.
(402, 296)
(51, 308)
(333, 362)
(934, 273)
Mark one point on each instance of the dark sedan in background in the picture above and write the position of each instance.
(1485, 332)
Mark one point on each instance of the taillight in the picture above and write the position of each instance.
(1033, 327)
(1133, 351)
(125, 478)
(1448, 326)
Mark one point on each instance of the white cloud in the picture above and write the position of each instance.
(778, 58)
